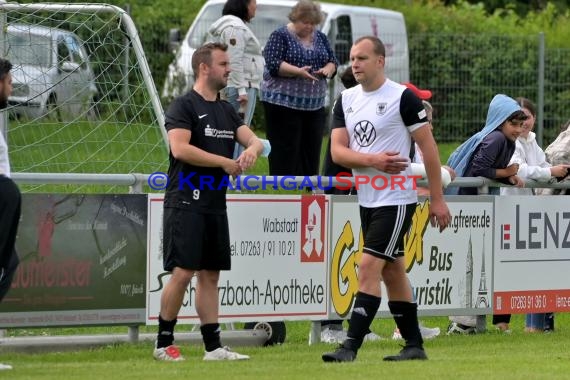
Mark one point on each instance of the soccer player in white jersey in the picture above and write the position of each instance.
(373, 124)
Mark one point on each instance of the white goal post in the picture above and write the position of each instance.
(84, 100)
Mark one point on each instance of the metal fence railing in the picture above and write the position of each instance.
(466, 71)
(136, 182)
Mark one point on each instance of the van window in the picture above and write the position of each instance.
(390, 30)
(75, 50)
(28, 49)
(62, 51)
(267, 19)
(340, 36)
(201, 25)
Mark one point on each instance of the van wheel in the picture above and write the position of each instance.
(276, 331)
(53, 112)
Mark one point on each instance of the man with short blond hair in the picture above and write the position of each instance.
(373, 126)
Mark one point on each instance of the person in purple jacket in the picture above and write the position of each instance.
(487, 154)
(490, 157)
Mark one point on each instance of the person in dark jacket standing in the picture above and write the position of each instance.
(10, 199)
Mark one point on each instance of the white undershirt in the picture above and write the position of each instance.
(4, 160)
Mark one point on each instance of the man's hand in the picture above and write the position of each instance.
(516, 180)
(390, 162)
(512, 170)
(439, 215)
(559, 171)
(232, 167)
(247, 159)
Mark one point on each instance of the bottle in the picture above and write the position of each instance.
(266, 147)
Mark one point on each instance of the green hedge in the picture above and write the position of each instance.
(460, 52)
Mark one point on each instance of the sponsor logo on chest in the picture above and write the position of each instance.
(218, 133)
(381, 108)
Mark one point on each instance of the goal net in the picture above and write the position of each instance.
(83, 97)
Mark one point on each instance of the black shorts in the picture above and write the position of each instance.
(10, 210)
(384, 228)
(195, 241)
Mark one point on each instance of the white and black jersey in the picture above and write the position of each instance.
(376, 122)
(214, 127)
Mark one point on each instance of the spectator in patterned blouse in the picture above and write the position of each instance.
(298, 62)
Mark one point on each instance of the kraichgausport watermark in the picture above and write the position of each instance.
(341, 181)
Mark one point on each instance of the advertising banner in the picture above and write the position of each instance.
(279, 246)
(450, 272)
(532, 254)
(82, 261)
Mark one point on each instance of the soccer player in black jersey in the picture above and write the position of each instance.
(202, 131)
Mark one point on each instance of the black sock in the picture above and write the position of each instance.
(211, 336)
(363, 312)
(335, 324)
(406, 316)
(549, 322)
(165, 336)
(501, 318)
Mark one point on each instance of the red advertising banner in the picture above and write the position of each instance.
(531, 252)
(532, 301)
(82, 261)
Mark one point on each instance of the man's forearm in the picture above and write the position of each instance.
(198, 157)
(433, 170)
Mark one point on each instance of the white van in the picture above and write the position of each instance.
(51, 71)
(342, 24)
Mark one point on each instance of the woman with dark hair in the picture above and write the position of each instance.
(246, 61)
(299, 60)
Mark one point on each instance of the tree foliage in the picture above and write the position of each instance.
(477, 41)
(521, 7)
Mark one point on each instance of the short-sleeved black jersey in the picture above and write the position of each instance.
(214, 127)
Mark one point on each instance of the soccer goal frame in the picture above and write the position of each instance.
(127, 54)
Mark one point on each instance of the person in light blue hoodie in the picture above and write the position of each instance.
(487, 153)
